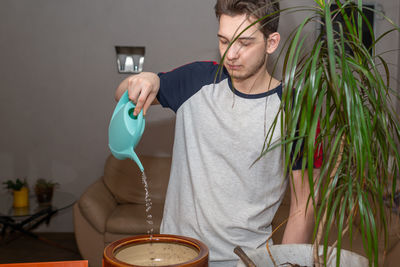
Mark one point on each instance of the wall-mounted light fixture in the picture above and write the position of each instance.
(130, 59)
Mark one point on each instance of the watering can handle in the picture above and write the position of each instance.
(125, 101)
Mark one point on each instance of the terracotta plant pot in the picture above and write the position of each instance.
(44, 195)
(21, 198)
(161, 250)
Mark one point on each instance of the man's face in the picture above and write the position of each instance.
(247, 55)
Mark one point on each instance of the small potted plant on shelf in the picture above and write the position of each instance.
(19, 187)
(44, 191)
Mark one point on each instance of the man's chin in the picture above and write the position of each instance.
(235, 74)
(238, 76)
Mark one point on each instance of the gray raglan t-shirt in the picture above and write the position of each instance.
(216, 194)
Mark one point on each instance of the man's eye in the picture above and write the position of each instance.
(244, 43)
(224, 42)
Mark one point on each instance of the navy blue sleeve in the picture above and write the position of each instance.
(180, 84)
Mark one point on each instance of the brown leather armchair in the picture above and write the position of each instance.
(114, 206)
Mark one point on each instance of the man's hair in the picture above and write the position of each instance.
(255, 8)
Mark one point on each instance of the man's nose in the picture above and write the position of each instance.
(233, 51)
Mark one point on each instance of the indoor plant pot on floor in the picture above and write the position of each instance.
(300, 254)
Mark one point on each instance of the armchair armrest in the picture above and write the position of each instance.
(96, 205)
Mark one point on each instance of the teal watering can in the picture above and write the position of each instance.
(125, 130)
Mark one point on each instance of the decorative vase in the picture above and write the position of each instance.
(21, 198)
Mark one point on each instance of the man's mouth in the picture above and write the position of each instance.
(233, 66)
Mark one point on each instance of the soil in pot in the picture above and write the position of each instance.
(157, 254)
(161, 250)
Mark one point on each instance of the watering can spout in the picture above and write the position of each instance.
(135, 158)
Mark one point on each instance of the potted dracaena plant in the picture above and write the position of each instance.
(19, 188)
(44, 189)
(345, 87)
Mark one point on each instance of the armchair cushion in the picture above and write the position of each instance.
(124, 179)
(96, 205)
(114, 206)
(130, 219)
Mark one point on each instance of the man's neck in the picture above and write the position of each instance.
(256, 84)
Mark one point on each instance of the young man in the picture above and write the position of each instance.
(215, 194)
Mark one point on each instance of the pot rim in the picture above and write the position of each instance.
(159, 238)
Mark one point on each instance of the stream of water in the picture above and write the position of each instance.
(149, 217)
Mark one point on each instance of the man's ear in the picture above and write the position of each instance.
(273, 42)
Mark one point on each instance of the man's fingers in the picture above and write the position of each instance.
(139, 105)
(134, 89)
(142, 90)
(141, 100)
(146, 106)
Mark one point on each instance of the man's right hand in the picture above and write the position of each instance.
(142, 89)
